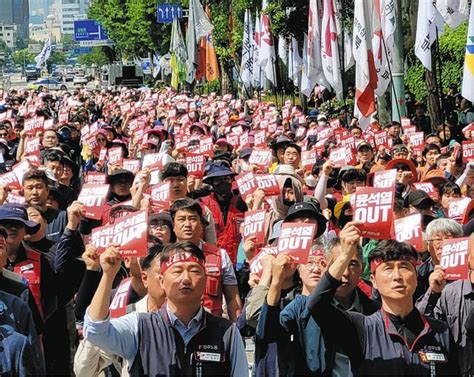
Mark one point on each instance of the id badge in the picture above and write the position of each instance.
(209, 356)
(428, 357)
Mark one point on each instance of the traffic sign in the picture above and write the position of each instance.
(82, 50)
(167, 12)
(89, 30)
(146, 66)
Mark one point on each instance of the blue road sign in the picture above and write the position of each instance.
(167, 12)
(89, 30)
(82, 50)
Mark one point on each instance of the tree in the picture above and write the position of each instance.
(97, 57)
(23, 56)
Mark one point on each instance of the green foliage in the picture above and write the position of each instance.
(452, 45)
(96, 57)
(22, 56)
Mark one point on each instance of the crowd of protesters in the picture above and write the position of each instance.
(220, 195)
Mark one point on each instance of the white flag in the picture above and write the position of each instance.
(454, 12)
(329, 47)
(428, 20)
(295, 64)
(307, 81)
(312, 52)
(348, 56)
(467, 90)
(267, 50)
(283, 49)
(257, 70)
(44, 54)
(246, 67)
(366, 76)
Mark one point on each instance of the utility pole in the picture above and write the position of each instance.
(398, 91)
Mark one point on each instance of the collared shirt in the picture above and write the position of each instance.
(356, 305)
(186, 332)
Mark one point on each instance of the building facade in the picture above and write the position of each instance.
(16, 12)
(8, 34)
(70, 11)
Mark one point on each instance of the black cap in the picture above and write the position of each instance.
(415, 198)
(309, 210)
(174, 169)
(120, 173)
(245, 152)
(161, 216)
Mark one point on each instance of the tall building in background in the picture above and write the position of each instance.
(16, 12)
(71, 10)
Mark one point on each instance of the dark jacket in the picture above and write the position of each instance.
(373, 343)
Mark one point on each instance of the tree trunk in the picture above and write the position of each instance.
(226, 84)
(433, 99)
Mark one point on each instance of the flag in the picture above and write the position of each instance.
(246, 66)
(454, 12)
(257, 70)
(283, 49)
(428, 20)
(383, 42)
(267, 50)
(295, 64)
(44, 54)
(212, 68)
(178, 55)
(467, 90)
(348, 56)
(329, 47)
(307, 80)
(366, 76)
(312, 52)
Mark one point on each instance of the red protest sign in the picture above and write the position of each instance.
(335, 123)
(195, 164)
(263, 158)
(256, 265)
(63, 117)
(246, 184)
(244, 140)
(154, 160)
(325, 133)
(131, 165)
(409, 130)
(206, 146)
(457, 208)
(254, 226)
(342, 156)
(373, 209)
(93, 197)
(296, 239)
(454, 258)
(118, 306)
(10, 180)
(348, 141)
(268, 183)
(408, 229)
(94, 178)
(308, 159)
(130, 232)
(33, 146)
(15, 199)
(160, 196)
(405, 122)
(33, 125)
(428, 188)
(232, 139)
(418, 141)
(20, 169)
(260, 139)
(115, 155)
(381, 139)
(385, 178)
(467, 151)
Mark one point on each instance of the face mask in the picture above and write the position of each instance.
(310, 181)
(288, 203)
(222, 188)
(322, 123)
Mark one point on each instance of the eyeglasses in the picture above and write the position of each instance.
(318, 264)
(162, 227)
(438, 241)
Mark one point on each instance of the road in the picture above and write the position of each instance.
(18, 82)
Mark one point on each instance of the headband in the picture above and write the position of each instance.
(376, 262)
(179, 257)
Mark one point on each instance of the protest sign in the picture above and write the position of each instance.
(10, 180)
(153, 160)
(455, 258)
(195, 164)
(232, 139)
(467, 151)
(93, 197)
(342, 156)
(373, 209)
(256, 265)
(129, 232)
(268, 183)
(418, 141)
(20, 169)
(263, 158)
(457, 208)
(260, 139)
(245, 183)
(385, 178)
(115, 155)
(408, 229)
(95, 178)
(254, 226)
(131, 165)
(206, 146)
(244, 140)
(296, 239)
(33, 146)
(335, 123)
(381, 139)
(160, 196)
(405, 122)
(428, 188)
(308, 159)
(15, 199)
(33, 125)
(118, 306)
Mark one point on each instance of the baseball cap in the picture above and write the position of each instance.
(310, 210)
(16, 212)
(417, 197)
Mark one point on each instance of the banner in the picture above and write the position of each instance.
(385, 178)
(454, 258)
(160, 196)
(296, 239)
(373, 209)
(254, 226)
(408, 229)
(94, 198)
(195, 165)
(130, 232)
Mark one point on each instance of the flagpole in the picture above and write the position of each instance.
(275, 88)
(391, 76)
(439, 78)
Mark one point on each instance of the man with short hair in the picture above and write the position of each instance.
(396, 339)
(188, 226)
(180, 339)
(292, 155)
